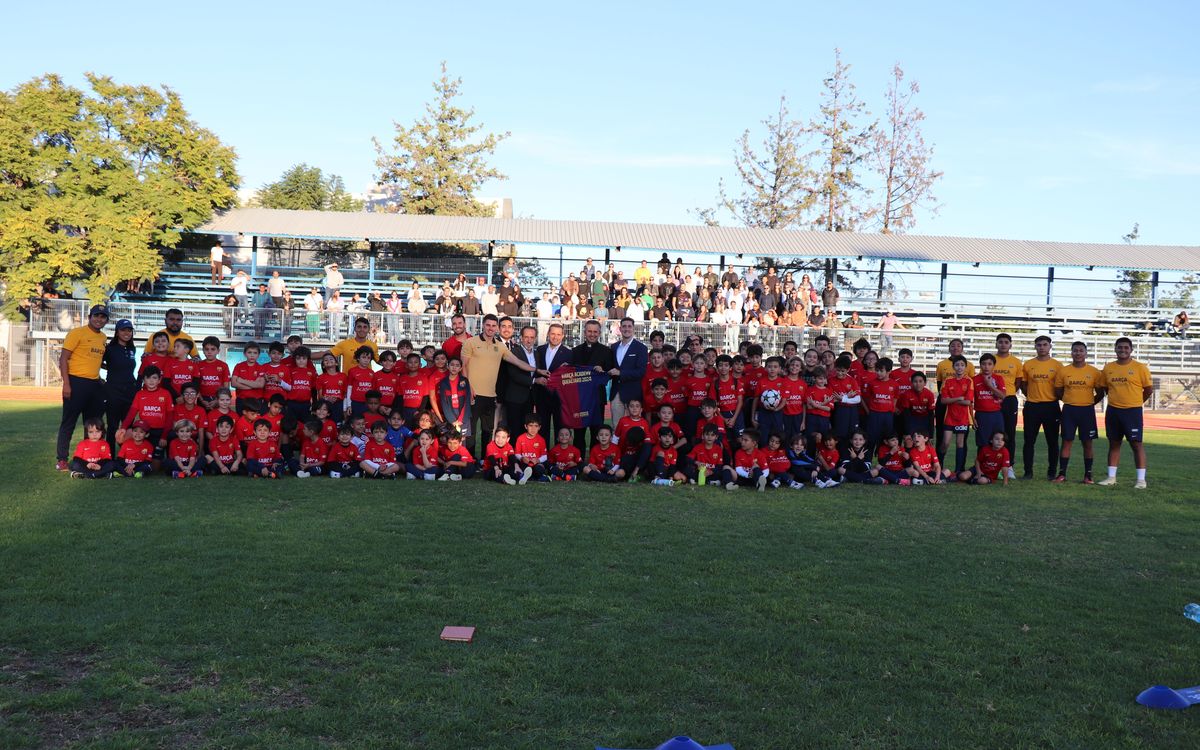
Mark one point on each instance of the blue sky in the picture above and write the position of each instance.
(1052, 121)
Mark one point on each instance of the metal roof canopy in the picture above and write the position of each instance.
(676, 238)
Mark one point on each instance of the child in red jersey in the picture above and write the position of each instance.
(359, 380)
(425, 461)
(818, 406)
(709, 416)
(224, 449)
(379, 457)
(903, 377)
(500, 458)
(752, 372)
(666, 418)
(279, 430)
(93, 455)
(655, 398)
(180, 370)
(136, 457)
(214, 374)
(893, 461)
(698, 387)
(676, 388)
(531, 452)
(880, 395)
(456, 459)
(183, 454)
(247, 378)
(372, 414)
(958, 396)
(989, 391)
(766, 417)
(917, 406)
(828, 458)
(153, 407)
(991, 462)
(749, 464)
(564, 456)
(331, 386)
(727, 392)
(276, 375)
(923, 464)
(313, 452)
(794, 392)
(631, 435)
(664, 459)
(415, 387)
(159, 355)
(343, 457)
(707, 462)
(387, 382)
(303, 385)
(779, 467)
(847, 399)
(244, 427)
(656, 368)
(263, 458)
(604, 459)
(189, 408)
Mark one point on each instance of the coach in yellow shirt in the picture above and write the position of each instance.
(344, 350)
(1012, 370)
(82, 389)
(1080, 387)
(945, 371)
(173, 327)
(1129, 385)
(1041, 410)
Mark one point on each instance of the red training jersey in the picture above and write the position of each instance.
(497, 454)
(359, 380)
(794, 393)
(957, 414)
(565, 456)
(185, 449)
(530, 449)
(710, 457)
(262, 450)
(985, 400)
(152, 407)
(992, 460)
(224, 451)
(93, 451)
(918, 403)
(881, 396)
(248, 371)
(342, 454)
(304, 385)
(821, 395)
(381, 453)
(387, 382)
(331, 387)
(749, 459)
(214, 375)
(136, 452)
(923, 458)
(603, 458)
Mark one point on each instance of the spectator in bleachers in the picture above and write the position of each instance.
(333, 281)
(888, 323)
(276, 286)
(1181, 324)
(588, 272)
(240, 284)
(460, 286)
(490, 302)
(313, 304)
(470, 305)
(830, 296)
(642, 276)
(216, 257)
(334, 307)
(816, 319)
(805, 295)
(286, 307)
(261, 302)
(854, 321)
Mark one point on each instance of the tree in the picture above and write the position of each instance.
(305, 188)
(94, 186)
(776, 184)
(844, 144)
(1136, 286)
(438, 165)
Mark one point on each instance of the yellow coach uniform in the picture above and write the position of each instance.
(1126, 393)
(1041, 411)
(945, 371)
(1012, 369)
(1079, 386)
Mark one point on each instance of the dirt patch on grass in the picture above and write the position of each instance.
(37, 675)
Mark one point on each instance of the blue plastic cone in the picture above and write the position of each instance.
(684, 743)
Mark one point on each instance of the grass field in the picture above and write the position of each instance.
(205, 613)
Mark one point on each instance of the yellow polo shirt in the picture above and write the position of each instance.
(1011, 368)
(945, 370)
(171, 339)
(87, 351)
(1079, 384)
(1125, 383)
(482, 362)
(1039, 379)
(346, 348)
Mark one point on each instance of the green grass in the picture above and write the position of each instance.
(306, 614)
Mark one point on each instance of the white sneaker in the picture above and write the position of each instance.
(455, 477)
(409, 475)
(762, 482)
(731, 486)
(525, 475)
(302, 474)
(444, 478)
(335, 475)
(918, 481)
(509, 480)
(776, 483)
(1139, 484)
(1107, 482)
(795, 485)
(1011, 474)
(430, 477)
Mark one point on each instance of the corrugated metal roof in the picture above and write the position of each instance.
(673, 238)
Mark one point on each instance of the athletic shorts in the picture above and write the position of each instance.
(1081, 418)
(975, 474)
(1123, 424)
(956, 428)
(987, 423)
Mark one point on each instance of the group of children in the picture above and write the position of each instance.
(733, 421)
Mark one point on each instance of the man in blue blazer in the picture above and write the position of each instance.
(632, 357)
(550, 356)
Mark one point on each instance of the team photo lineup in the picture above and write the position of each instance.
(498, 404)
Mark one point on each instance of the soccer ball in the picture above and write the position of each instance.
(771, 398)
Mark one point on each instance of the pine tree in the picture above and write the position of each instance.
(901, 158)
(94, 186)
(438, 165)
(303, 187)
(844, 142)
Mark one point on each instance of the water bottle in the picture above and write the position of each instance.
(1192, 612)
(702, 478)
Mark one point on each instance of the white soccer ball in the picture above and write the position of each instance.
(771, 398)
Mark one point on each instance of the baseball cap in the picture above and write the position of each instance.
(124, 323)
(98, 310)
(140, 425)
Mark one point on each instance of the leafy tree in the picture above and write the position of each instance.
(94, 185)
(438, 164)
(844, 142)
(776, 183)
(1135, 286)
(900, 156)
(305, 188)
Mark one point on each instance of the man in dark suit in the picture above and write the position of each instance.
(591, 353)
(631, 356)
(550, 356)
(517, 388)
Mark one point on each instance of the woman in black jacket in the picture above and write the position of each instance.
(120, 363)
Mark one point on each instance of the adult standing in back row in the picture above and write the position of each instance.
(82, 391)
(1041, 410)
(591, 353)
(333, 281)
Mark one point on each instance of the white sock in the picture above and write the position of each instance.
(1141, 475)
(1112, 472)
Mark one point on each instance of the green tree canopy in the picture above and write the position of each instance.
(305, 188)
(438, 164)
(94, 185)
